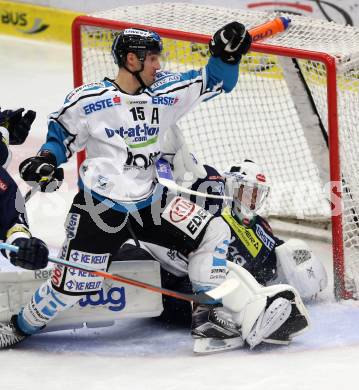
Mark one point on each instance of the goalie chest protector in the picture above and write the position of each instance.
(252, 247)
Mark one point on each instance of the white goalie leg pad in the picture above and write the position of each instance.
(249, 305)
(270, 320)
(298, 266)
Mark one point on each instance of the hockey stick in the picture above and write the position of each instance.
(209, 297)
(165, 178)
(270, 28)
(43, 182)
(32, 192)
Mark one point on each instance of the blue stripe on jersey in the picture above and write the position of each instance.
(56, 136)
(217, 262)
(125, 207)
(220, 250)
(218, 71)
(171, 79)
(107, 83)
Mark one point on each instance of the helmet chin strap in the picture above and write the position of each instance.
(136, 73)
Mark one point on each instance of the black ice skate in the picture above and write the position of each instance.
(214, 330)
(10, 335)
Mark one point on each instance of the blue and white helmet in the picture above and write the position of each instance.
(247, 186)
(137, 41)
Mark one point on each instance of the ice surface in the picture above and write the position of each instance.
(142, 354)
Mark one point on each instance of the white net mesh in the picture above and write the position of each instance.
(261, 119)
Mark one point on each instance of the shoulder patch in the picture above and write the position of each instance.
(84, 88)
(166, 79)
(161, 74)
(186, 216)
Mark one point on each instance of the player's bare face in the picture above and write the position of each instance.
(151, 66)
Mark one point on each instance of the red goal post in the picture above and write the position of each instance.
(329, 65)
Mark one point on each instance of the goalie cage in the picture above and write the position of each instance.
(294, 109)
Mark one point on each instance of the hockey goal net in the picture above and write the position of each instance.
(294, 110)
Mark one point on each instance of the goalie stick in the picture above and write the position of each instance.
(209, 297)
(165, 178)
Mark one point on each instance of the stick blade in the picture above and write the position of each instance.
(223, 289)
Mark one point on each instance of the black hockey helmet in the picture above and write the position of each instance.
(137, 41)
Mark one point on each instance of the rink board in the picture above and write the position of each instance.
(114, 301)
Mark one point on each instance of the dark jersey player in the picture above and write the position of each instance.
(14, 229)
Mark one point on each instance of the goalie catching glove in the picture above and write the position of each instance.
(298, 266)
(41, 170)
(230, 43)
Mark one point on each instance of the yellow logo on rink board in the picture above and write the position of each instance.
(246, 235)
(50, 24)
(36, 22)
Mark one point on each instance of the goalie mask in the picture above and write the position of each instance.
(246, 185)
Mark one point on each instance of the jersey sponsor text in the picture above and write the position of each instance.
(101, 104)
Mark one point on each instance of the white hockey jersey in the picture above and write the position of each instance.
(123, 133)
